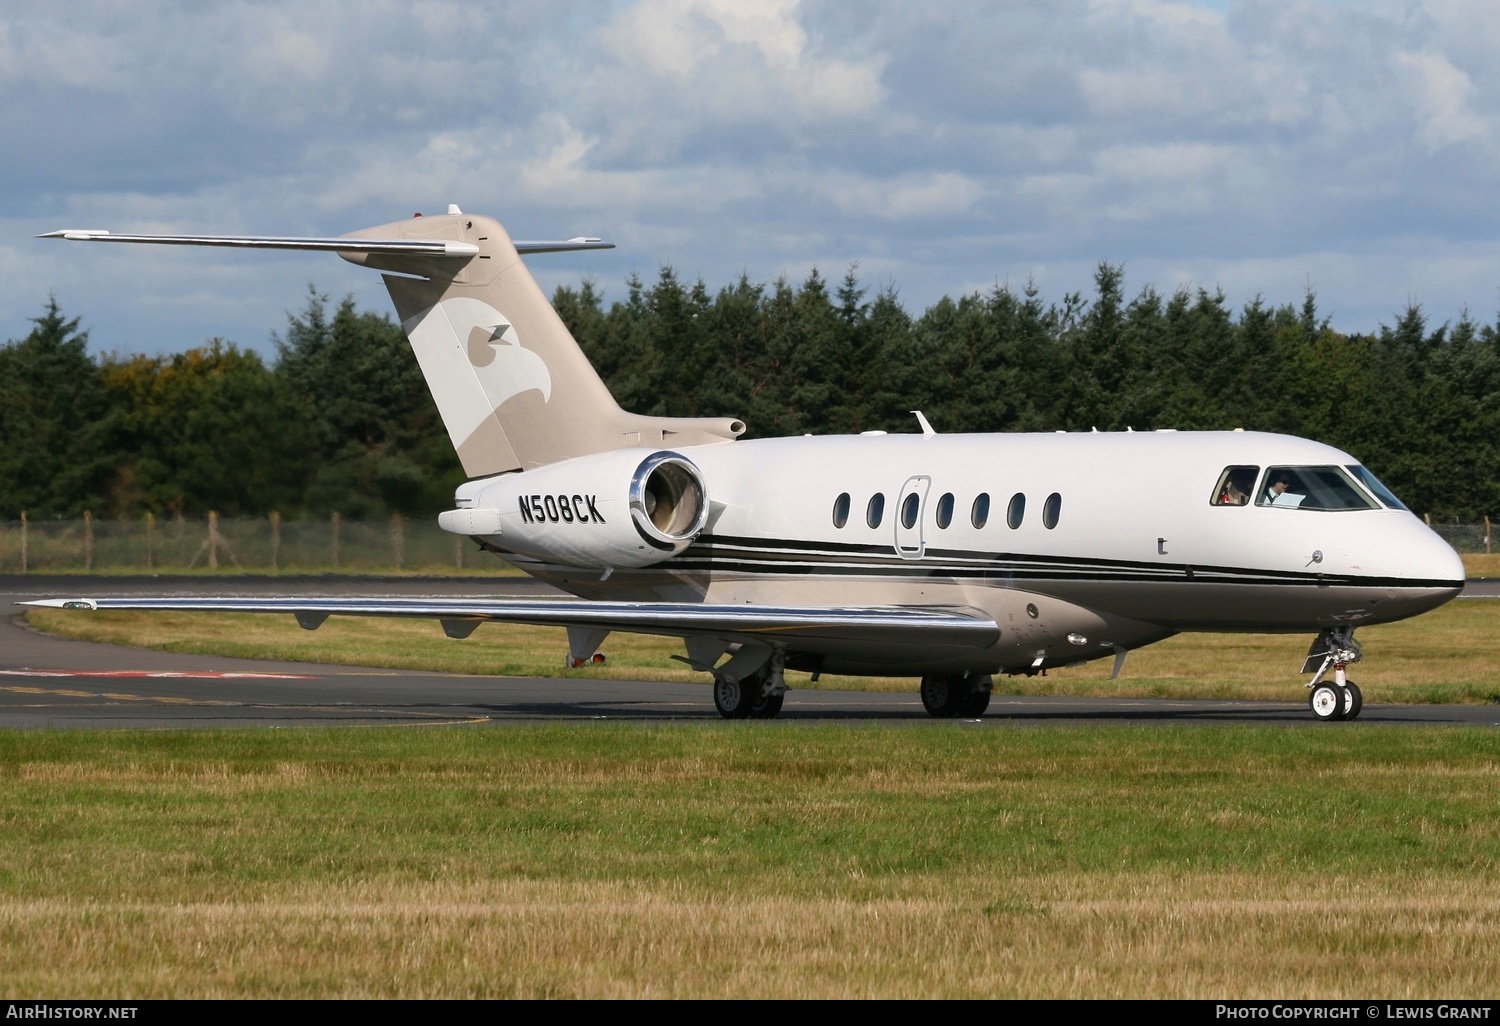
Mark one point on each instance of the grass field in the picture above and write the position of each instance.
(1482, 564)
(751, 860)
(1442, 656)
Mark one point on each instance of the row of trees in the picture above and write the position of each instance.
(341, 419)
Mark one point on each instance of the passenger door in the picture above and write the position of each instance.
(911, 516)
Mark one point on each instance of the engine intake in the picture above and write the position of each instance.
(668, 501)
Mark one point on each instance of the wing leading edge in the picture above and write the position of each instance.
(799, 625)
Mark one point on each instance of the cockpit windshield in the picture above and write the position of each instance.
(1371, 482)
(1319, 488)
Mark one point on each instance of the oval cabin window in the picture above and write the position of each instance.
(945, 510)
(1016, 512)
(909, 507)
(980, 514)
(1050, 510)
(875, 511)
(841, 510)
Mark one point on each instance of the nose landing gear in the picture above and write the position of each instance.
(1339, 699)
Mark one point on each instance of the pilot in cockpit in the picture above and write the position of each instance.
(1276, 494)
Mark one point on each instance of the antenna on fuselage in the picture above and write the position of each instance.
(927, 431)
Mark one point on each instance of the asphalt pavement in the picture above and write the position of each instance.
(53, 682)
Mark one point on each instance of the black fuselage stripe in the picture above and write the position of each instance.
(774, 557)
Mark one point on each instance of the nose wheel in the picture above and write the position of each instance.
(1331, 702)
(1353, 700)
(1339, 698)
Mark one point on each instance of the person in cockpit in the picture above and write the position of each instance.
(1238, 484)
(1276, 492)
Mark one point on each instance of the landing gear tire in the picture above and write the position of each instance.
(767, 707)
(1353, 700)
(1327, 702)
(978, 698)
(944, 697)
(975, 705)
(735, 699)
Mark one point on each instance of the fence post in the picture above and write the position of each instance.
(23, 541)
(88, 540)
(213, 540)
(398, 540)
(335, 541)
(458, 551)
(150, 541)
(1427, 519)
(1486, 534)
(275, 540)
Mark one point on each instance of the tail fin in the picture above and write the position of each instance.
(513, 388)
(511, 384)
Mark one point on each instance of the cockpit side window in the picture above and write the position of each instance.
(1319, 488)
(1371, 482)
(1235, 486)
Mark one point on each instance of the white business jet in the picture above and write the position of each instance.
(951, 558)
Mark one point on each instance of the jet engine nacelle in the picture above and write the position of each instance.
(628, 508)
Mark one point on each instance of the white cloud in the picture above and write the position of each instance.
(741, 60)
(1251, 143)
(1442, 100)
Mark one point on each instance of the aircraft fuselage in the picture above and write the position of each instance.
(1078, 544)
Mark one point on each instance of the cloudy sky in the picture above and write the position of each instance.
(1257, 146)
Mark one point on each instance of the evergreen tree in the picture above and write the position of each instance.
(60, 453)
(379, 444)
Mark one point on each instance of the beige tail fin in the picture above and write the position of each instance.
(511, 384)
(513, 388)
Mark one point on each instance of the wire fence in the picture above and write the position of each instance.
(1466, 537)
(230, 544)
(270, 544)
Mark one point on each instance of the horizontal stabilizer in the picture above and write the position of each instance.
(337, 244)
(932, 625)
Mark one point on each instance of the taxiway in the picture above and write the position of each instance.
(48, 682)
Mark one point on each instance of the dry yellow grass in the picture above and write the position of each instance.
(1482, 564)
(1077, 935)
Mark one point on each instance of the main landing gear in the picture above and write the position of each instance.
(965, 695)
(1338, 699)
(756, 696)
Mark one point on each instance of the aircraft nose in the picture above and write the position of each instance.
(1433, 570)
(1441, 562)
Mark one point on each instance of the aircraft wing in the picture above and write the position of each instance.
(934, 625)
(337, 244)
